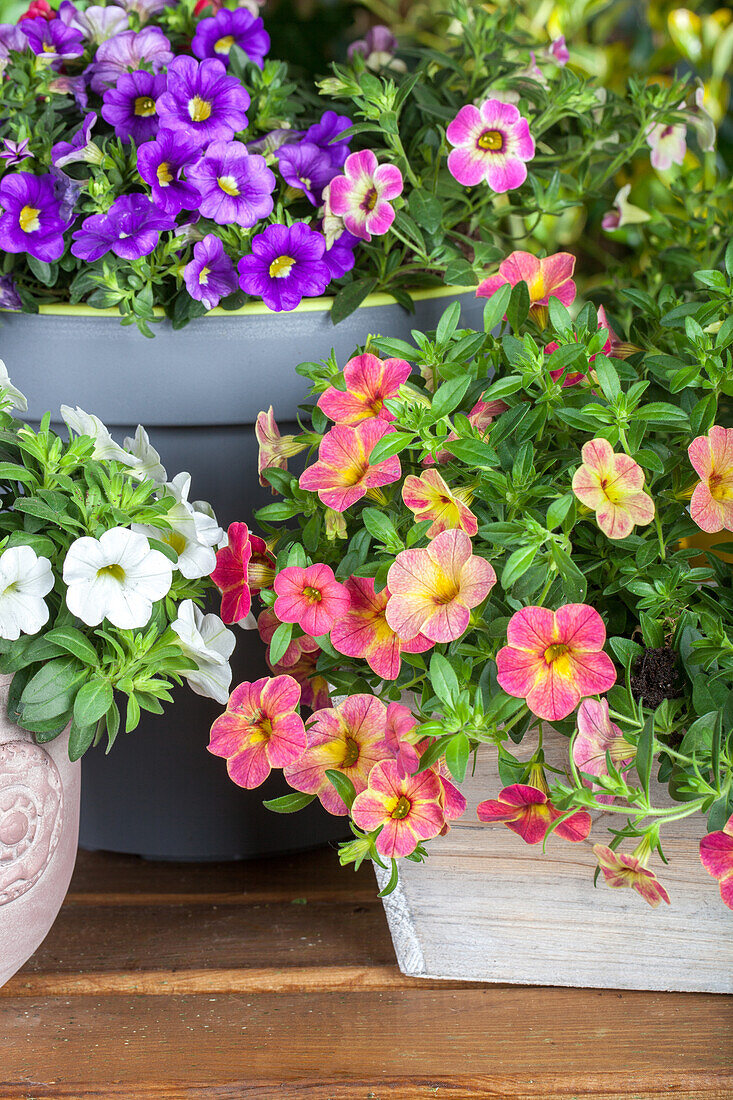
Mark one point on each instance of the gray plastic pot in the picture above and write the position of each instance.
(198, 392)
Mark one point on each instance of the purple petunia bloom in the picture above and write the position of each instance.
(53, 40)
(9, 297)
(378, 40)
(15, 152)
(161, 164)
(12, 38)
(31, 221)
(67, 193)
(339, 258)
(127, 52)
(285, 266)
(131, 107)
(71, 85)
(210, 276)
(203, 101)
(131, 228)
(236, 186)
(325, 133)
(216, 35)
(80, 148)
(307, 168)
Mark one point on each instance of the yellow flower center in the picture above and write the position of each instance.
(28, 219)
(401, 809)
(491, 141)
(351, 753)
(447, 592)
(262, 728)
(257, 573)
(280, 267)
(164, 174)
(144, 106)
(199, 109)
(313, 595)
(115, 571)
(224, 45)
(721, 486)
(612, 493)
(228, 185)
(555, 652)
(176, 541)
(203, 276)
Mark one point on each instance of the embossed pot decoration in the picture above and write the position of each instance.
(39, 828)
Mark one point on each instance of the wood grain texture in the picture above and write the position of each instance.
(486, 906)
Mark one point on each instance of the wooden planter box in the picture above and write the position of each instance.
(485, 906)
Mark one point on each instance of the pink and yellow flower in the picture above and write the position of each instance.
(429, 498)
(491, 143)
(716, 853)
(275, 449)
(369, 383)
(311, 597)
(480, 417)
(242, 567)
(432, 590)
(527, 811)
(267, 624)
(343, 473)
(551, 277)
(554, 658)
(711, 455)
(612, 485)
(407, 809)
(400, 724)
(259, 730)
(622, 870)
(361, 196)
(598, 735)
(348, 738)
(364, 632)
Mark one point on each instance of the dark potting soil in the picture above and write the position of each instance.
(656, 677)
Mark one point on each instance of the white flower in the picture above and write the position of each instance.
(193, 533)
(142, 449)
(98, 24)
(84, 423)
(10, 398)
(205, 640)
(116, 577)
(24, 580)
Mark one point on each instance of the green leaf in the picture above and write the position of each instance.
(517, 565)
(558, 510)
(92, 701)
(390, 445)
(449, 396)
(426, 209)
(350, 298)
(608, 377)
(473, 452)
(495, 307)
(51, 691)
(343, 786)
(645, 754)
(699, 735)
(625, 650)
(379, 525)
(80, 739)
(443, 679)
(394, 878)
(518, 309)
(659, 412)
(280, 642)
(456, 756)
(73, 641)
(289, 803)
(448, 322)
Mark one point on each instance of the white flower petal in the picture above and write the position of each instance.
(11, 397)
(84, 423)
(142, 449)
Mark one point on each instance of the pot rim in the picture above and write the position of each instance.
(252, 309)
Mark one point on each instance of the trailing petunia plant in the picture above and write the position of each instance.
(502, 538)
(155, 158)
(104, 569)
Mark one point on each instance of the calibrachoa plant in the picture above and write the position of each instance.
(104, 569)
(154, 156)
(497, 544)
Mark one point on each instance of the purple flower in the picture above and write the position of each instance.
(145, 8)
(53, 40)
(31, 221)
(377, 39)
(12, 38)
(67, 193)
(203, 101)
(96, 24)
(285, 266)
(236, 187)
(339, 258)
(131, 228)
(161, 164)
(210, 275)
(71, 85)
(558, 50)
(307, 168)
(15, 152)
(126, 52)
(324, 135)
(216, 35)
(80, 148)
(9, 297)
(131, 107)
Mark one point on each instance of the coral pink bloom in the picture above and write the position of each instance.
(554, 658)
(362, 195)
(310, 597)
(621, 870)
(528, 812)
(369, 383)
(429, 497)
(716, 853)
(260, 729)
(551, 277)
(365, 633)
(433, 590)
(480, 417)
(267, 624)
(400, 724)
(613, 348)
(314, 690)
(491, 143)
(611, 484)
(275, 449)
(349, 739)
(243, 566)
(598, 735)
(343, 473)
(408, 809)
(711, 455)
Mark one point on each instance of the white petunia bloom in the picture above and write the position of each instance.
(142, 449)
(24, 580)
(205, 640)
(193, 534)
(11, 398)
(84, 423)
(116, 577)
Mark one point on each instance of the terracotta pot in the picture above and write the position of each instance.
(39, 829)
